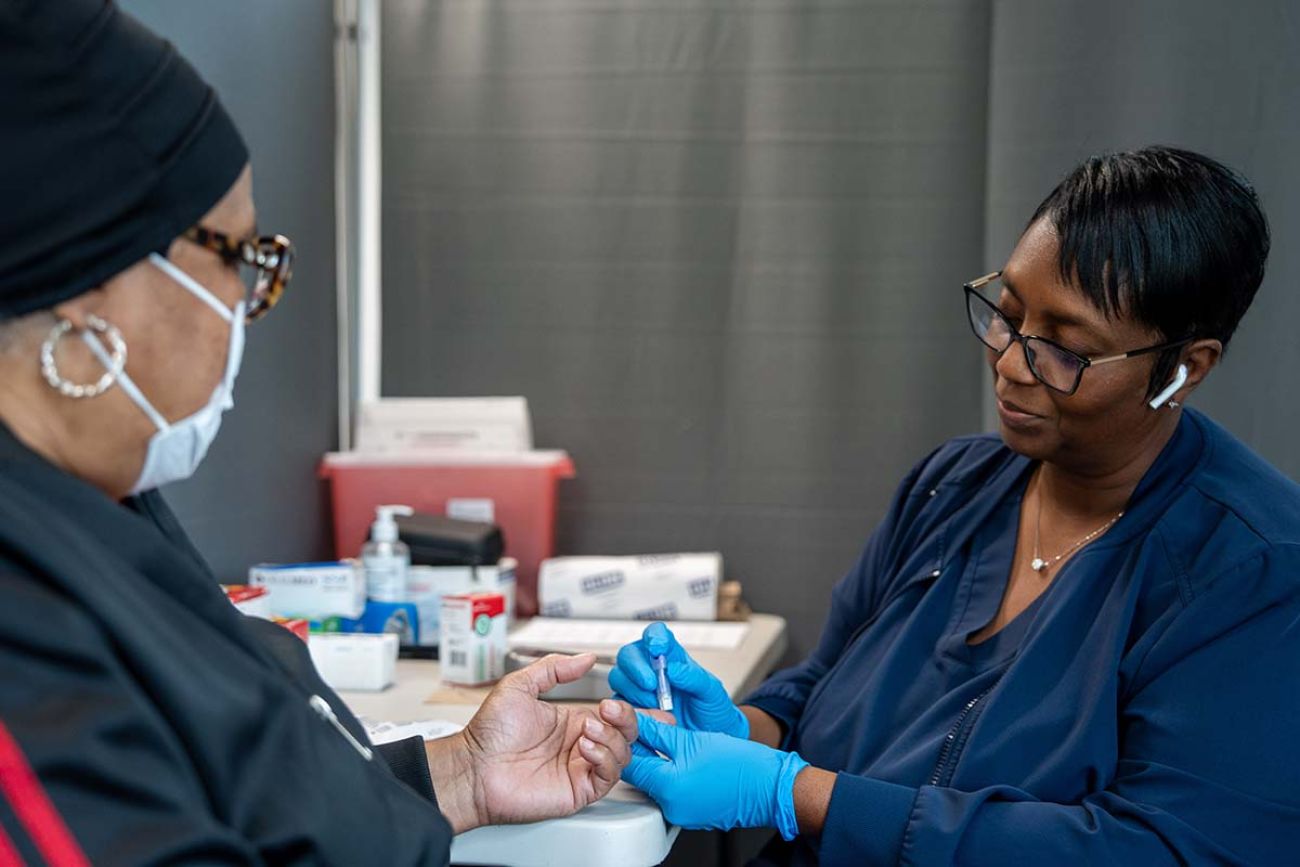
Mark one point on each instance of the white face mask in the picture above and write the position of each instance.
(177, 448)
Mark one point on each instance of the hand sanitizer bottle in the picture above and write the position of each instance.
(385, 557)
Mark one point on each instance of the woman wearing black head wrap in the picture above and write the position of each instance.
(142, 720)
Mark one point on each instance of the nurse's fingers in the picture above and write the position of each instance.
(635, 665)
(660, 737)
(647, 772)
(621, 684)
(662, 715)
(690, 677)
(640, 749)
(659, 640)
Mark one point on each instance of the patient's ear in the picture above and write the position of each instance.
(78, 310)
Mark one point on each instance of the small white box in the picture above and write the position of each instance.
(313, 590)
(355, 660)
(472, 646)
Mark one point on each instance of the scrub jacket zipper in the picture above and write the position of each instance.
(955, 741)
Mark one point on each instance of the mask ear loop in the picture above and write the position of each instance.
(125, 383)
(1179, 380)
(191, 284)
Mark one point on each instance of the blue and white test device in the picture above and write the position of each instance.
(663, 691)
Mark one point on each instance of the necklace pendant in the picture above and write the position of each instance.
(1038, 564)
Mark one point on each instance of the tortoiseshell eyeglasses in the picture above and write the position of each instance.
(265, 263)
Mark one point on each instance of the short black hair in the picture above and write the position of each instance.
(1172, 238)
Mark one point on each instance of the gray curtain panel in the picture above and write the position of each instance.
(1071, 79)
(256, 496)
(715, 242)
(718, 245)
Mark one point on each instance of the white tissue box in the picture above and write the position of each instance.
(651, 587)
(355, 660)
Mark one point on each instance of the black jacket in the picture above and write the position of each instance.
(163, 726)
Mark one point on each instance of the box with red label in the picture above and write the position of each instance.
(253, 601)
(297, 625)
(472, 641)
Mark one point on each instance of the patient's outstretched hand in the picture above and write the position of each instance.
(521, 759)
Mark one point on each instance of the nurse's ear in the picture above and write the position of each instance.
(1198, 359)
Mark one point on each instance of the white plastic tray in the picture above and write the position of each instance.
(623, 830)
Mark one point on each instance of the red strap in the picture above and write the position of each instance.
(20, 786)
(8, 854)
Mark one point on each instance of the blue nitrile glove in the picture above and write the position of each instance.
(709, 780)
(700, 701)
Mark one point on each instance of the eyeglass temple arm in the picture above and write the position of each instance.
(983, 281)
(1157, 348)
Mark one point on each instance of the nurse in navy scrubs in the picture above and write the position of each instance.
(1073, 642)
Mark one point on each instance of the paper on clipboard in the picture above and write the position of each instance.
(385, 732)
(559, 632)
(418, 425)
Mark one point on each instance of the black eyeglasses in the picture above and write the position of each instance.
(266, 263)
(1051, 363)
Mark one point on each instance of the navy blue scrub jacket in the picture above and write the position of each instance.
(1144, 710)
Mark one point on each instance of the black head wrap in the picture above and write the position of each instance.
(110, 147)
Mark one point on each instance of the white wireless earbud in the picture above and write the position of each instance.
(1180, 377)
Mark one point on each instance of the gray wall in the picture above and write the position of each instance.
(256, 497)
(719, 247)
(1071, 79)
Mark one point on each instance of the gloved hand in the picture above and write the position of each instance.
(710, 780)
(700, 702)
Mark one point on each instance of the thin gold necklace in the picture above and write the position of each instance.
(1038, 564)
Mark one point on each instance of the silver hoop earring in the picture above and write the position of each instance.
(71, 389)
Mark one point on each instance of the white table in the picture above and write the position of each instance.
(625, 828)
